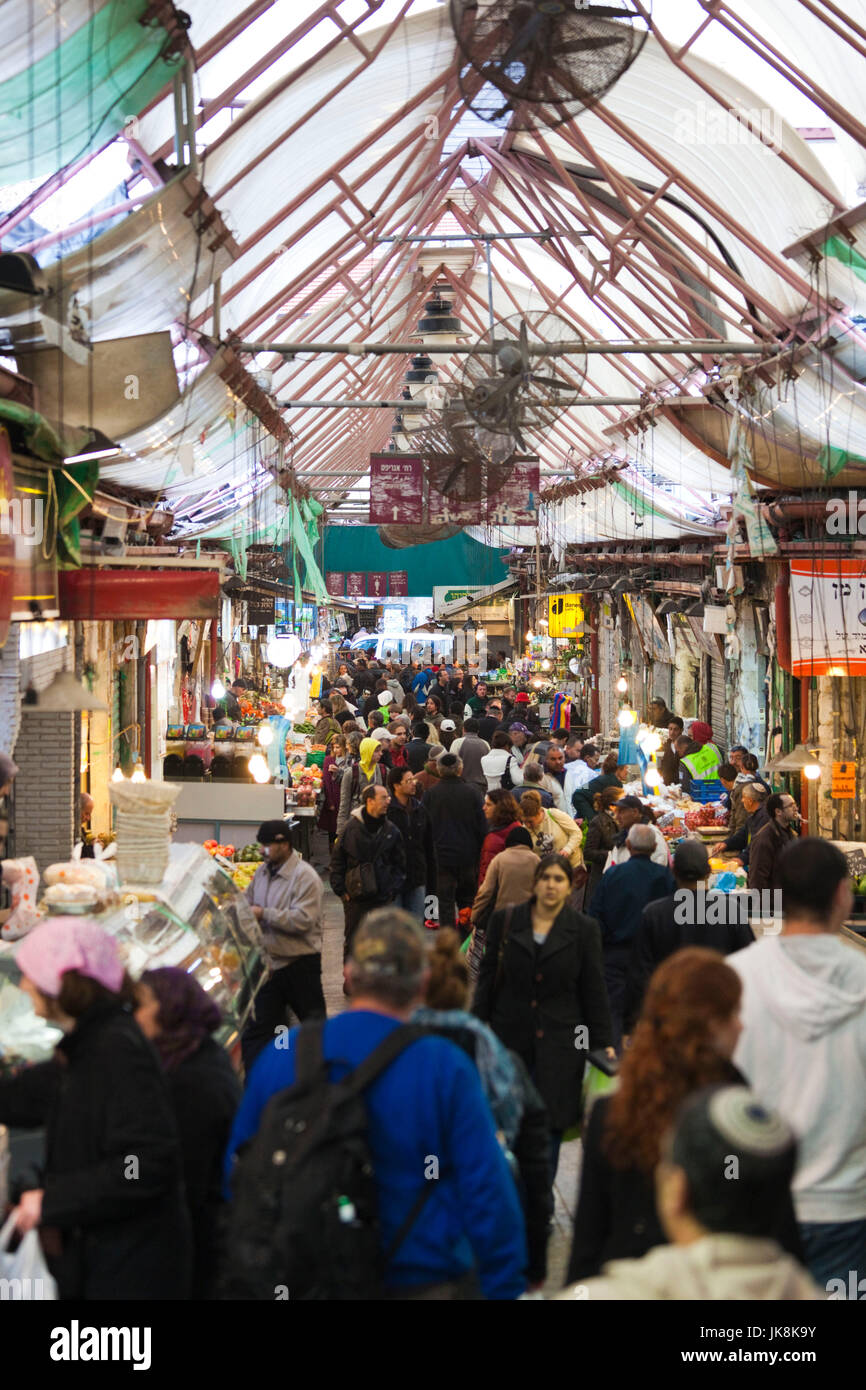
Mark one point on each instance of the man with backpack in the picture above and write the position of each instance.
(368, 862)
(438, 1218)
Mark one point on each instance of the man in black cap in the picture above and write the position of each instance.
(286, 898)
(688, 917)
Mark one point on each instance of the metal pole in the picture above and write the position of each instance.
(406, 407)
(650, 347)
(537, 577)
(490, 296)
(481, 236)
(190, 117)
(178, 121)
(217, 307)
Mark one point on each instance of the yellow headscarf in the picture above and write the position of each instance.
(368, 748)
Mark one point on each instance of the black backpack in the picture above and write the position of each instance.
(303, 1223)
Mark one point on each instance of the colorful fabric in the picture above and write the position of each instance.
(367, 750)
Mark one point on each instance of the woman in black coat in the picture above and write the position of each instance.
(600, 838)
(540, 981)
(110, 1210)
(683, 1041)
(179, 1018)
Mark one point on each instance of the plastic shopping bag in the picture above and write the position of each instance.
(24, 1275)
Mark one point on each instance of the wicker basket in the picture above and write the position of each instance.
(143, 826)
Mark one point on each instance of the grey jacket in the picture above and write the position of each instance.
(291, 923)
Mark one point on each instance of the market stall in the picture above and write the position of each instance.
(196, 918)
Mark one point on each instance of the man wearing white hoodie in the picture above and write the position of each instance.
(718, 1217)
(803, 1050)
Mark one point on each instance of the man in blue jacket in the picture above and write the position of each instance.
(618, 903)
(428, 1122)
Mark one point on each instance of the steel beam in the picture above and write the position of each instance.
(407, 406)
(648, 347)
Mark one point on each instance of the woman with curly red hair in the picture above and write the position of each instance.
(684, 1040)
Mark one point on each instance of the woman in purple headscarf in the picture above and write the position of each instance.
(180, 1019)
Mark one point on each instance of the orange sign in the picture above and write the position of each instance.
(844, 783)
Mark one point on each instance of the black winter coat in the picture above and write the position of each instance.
(601, 835)
(113, 1183)
(459, 824)
(205, 1092)
(414, 825)
(543, 995)
(531, 1151)
(382, 848)
(616, 1215)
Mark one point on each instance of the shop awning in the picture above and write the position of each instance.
(90, 594)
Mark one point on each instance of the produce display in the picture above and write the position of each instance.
(705, 817)
(241, 864)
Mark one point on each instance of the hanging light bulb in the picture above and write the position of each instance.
(259, 769)
(626, 717)
(812, 771)
(530, 635)
(117, 774)
(218, 690)
(652, 777)
(652, 742)
(622, 685)
(545, 665)
(265, 735)
(138, 772)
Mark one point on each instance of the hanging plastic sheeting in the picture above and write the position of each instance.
(834, 256)
(287, 522)
(137, 277)
(207, 441)
(810, 432)
(72, 73)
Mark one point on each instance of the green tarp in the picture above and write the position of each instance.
(459, 561)
(78, 97)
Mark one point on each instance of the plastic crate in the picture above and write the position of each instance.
(316, 759)
(709, 790)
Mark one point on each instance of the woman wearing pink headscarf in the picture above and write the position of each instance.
(110, 1208)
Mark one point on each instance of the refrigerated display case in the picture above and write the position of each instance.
(196, 919)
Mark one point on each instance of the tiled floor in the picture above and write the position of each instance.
(569, 1160)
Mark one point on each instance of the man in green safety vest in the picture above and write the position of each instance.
(699, 757)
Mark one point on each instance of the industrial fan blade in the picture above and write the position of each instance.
(606, 12)
(555, 381)
(590, 45)
(524, 38)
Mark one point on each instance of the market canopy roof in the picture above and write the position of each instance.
(320, 134)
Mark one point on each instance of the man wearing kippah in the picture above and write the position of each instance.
(286, 898)
(721, 1231)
